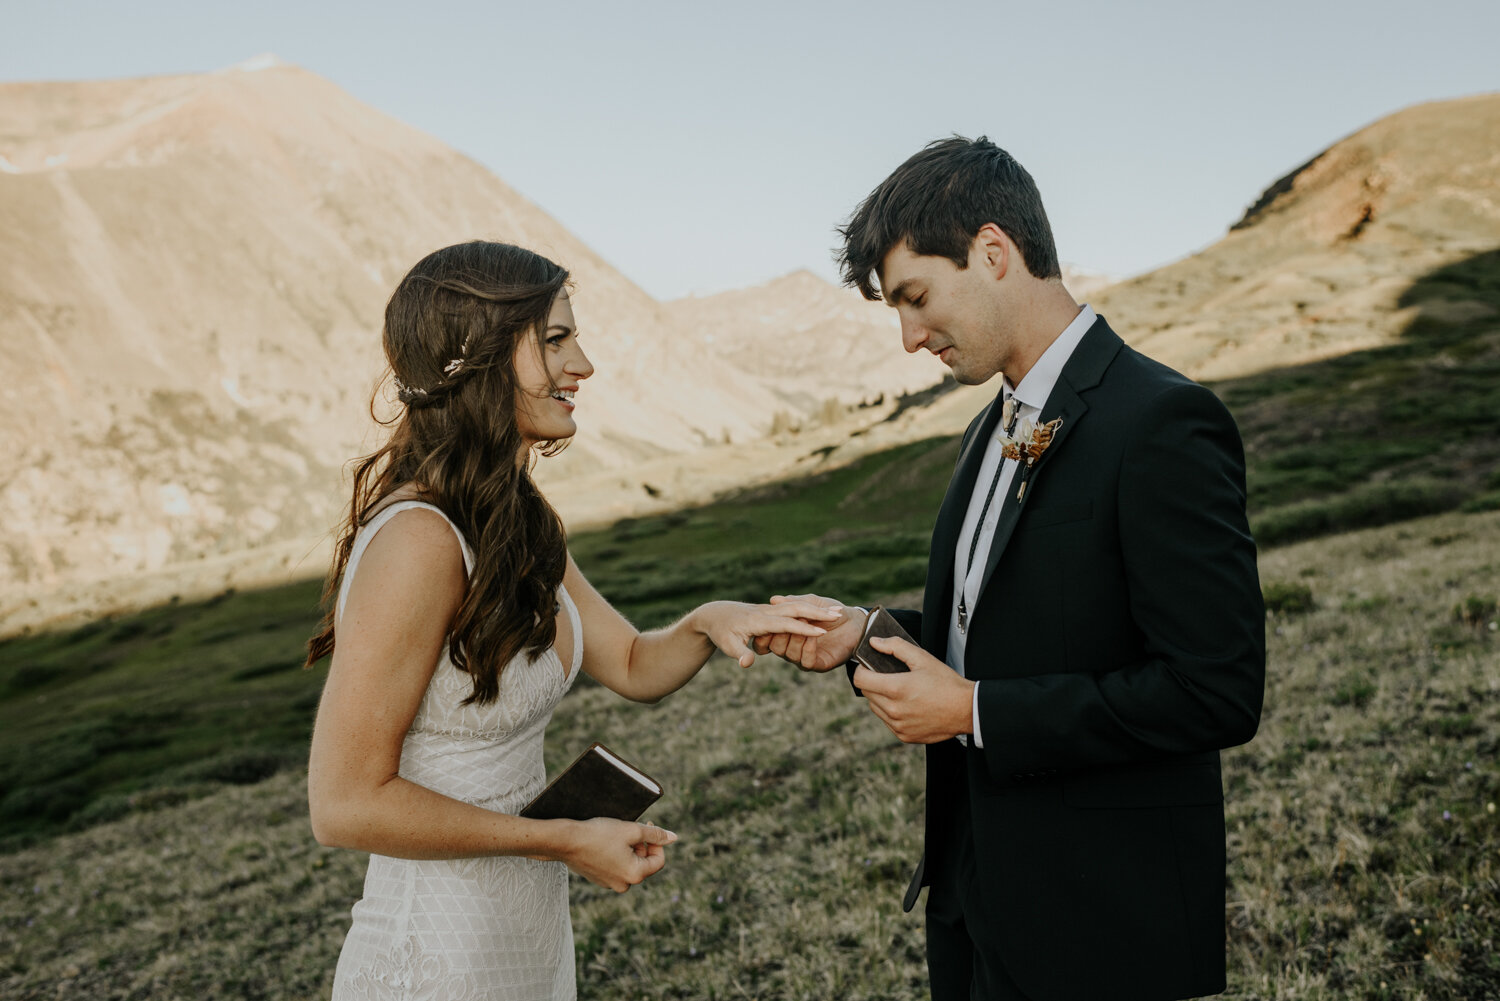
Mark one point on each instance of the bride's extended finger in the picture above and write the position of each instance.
(815, 599)
(792, 625)
(805, 610)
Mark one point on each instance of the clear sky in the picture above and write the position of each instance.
(704, 146)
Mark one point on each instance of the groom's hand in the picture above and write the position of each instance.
(820, 653)
(929, 704)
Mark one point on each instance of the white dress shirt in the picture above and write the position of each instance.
(1031, 395)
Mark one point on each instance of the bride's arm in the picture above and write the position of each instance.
(644, 667)
(407, 587)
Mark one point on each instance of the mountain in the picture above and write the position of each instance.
(1317, 266)
(192, 280)
(1323, 264)
(808, 339)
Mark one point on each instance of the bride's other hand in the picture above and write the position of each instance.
(616, 854)
(820, 653)
(733, 625)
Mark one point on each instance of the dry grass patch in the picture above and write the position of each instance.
(1362, 843)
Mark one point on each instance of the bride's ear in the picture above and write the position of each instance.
(994, 250)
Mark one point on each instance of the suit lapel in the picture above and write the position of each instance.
(1082, 372)
(935, 603)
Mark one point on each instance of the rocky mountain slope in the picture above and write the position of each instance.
(1321, 264)
(193, 270)
(192, 276)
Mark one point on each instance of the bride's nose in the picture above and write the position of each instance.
(579, 365)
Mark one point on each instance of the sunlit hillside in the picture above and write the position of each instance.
(192, 285)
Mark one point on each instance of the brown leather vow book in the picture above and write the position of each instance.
(881, 623)
(599, 784)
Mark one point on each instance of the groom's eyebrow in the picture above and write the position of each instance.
(895, 295)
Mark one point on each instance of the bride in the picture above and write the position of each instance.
(457, 620)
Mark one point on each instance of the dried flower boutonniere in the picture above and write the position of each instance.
(1028, 445)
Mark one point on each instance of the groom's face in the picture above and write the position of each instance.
(955, 313)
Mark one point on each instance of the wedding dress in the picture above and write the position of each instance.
(495, 928)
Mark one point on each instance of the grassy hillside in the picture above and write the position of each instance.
(1363, 833)
(161, 707)
(165, 705)
(1377, 436)
(154, 709)
(137, 730)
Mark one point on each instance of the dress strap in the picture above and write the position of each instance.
(368, 531)
(567, 600)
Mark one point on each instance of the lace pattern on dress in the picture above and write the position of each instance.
(495, 928)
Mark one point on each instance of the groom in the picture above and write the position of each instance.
(1092, 632)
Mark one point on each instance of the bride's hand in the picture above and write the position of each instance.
(614, 853)
(732, 625)
(823, 653)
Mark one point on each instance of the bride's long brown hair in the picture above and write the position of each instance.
(456, 439)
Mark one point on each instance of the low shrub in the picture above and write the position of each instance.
(1287, 599)
(1476, 610)
(1363, 507)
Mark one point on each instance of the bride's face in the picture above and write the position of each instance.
(542, 412)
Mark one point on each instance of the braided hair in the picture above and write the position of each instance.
(452, 329)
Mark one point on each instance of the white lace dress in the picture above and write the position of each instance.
(494, 928)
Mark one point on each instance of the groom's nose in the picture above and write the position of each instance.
(913, 334)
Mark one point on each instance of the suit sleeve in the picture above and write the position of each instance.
(1194, 598)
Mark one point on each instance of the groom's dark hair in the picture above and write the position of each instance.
(936, 201)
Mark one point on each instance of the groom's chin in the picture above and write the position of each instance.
(965, 376)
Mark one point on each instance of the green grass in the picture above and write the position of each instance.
(152, 709)
(859, 532)
(134, 713)
(1364, 853)
(1374, 437)
(150, 765)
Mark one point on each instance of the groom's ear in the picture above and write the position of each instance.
(993, 250)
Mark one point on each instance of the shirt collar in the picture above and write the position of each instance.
(1037, 386)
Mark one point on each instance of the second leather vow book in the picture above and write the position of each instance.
(599, 784)
(881, 623)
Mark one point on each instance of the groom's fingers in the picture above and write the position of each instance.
(775, 643)
(905, 651)
(868, 681)
(881, 707)
(794, 646)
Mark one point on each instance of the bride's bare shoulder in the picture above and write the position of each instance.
(405, 492)
(416, 551)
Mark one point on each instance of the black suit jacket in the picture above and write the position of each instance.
(1119, 641)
